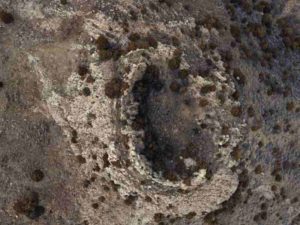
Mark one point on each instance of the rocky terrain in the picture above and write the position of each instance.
(140, 112)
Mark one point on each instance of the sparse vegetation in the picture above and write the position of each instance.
(174, 63)
(29, 206)
(37, 175)
(115, 88)
(236, 111)
(6, 17)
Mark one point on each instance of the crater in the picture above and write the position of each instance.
(175, 146)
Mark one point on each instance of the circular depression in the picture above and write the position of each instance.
(175, 146)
